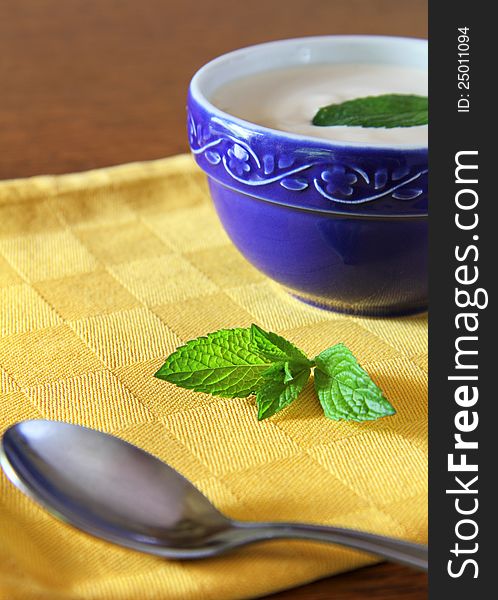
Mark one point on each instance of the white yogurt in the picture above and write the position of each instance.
(288, 99)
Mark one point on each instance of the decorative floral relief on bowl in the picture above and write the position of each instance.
(312, 174)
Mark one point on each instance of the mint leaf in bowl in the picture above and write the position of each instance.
(388, 110)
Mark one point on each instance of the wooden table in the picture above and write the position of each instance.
(91, 83)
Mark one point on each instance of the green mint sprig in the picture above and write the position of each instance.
(236, 363)
(388, 110)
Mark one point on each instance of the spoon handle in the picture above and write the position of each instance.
(398, 551)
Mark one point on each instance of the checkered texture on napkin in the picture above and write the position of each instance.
(102, 275)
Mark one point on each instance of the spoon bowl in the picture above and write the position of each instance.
(120, 493)
(110, 488)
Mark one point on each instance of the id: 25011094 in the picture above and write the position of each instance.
(463, 60)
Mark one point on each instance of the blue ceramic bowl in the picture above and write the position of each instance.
(342, 226)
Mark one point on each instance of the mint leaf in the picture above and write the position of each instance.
(345, 390)
(225, 363)
(285, 383)
(239, 362)
(274, 347)
(388, 110)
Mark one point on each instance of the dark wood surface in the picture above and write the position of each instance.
(381, 582)
(92, 83)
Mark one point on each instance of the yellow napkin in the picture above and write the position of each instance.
(102, 275)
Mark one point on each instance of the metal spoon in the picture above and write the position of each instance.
(118, 492)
